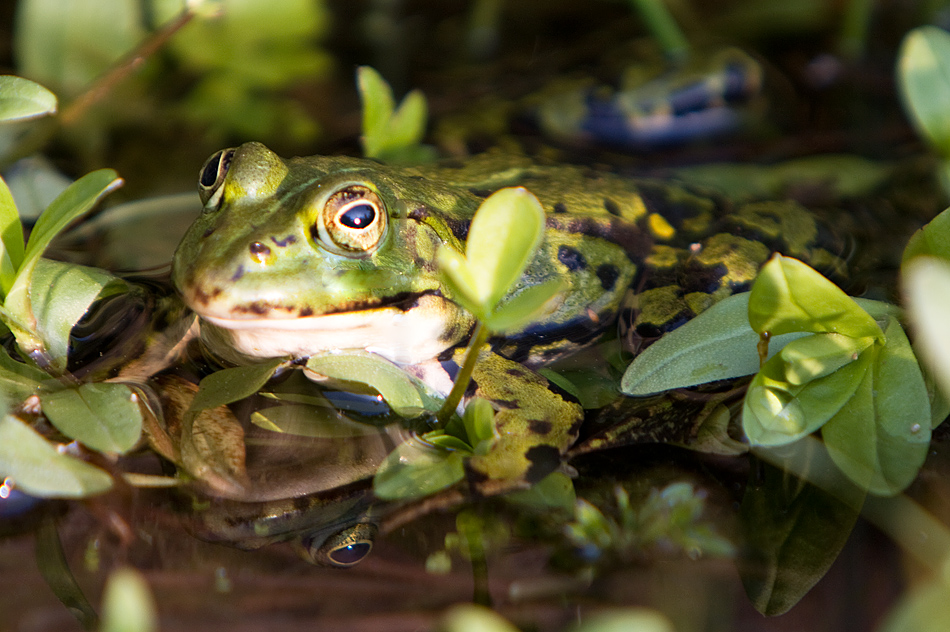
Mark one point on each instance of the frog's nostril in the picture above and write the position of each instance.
(259, 252)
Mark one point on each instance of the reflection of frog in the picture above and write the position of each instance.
(291, 258)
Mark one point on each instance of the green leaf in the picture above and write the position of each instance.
(931, 240)
(503, 237)
(474, 618)
(127, 603)
(479, 422)
(407, 125)
(523, 306)
(11, 239)
(72, 203)
(103, 416)
(230, 385)
(416, 469)
(880, 439)
(925, 608)
(60, 295)
(458, 278)
(627, 620)
(310, 421)
(924, 80)
(554, 491)
(406, 396)
(18, 380)
(378, 105)
(718, 344)
(39, 469)
(790, 296)
(926, 284)
(52, 565)
(22, 99)
(818, 355)
(775, 412)
(792, 533)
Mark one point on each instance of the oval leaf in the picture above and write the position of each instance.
(880, 439)
(931, 240)
(127, 604)
(416, 469)
(22, 99)
(40, 470)
(406, 396)
(816, 356)
(790, 296)
(11, 239)
(718, 344)
(104, 416)
(504, 235)
(60, 295)
(230, 385)
(924, 79)
(927, 292)
(775, 412)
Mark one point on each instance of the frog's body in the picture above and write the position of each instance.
(296, 257)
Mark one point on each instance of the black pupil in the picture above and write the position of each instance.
(350, 554)
(216, 166)
(358, 216)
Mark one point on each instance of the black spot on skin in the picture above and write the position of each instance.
(539, 427)
(482, 193)
(237, 273)
(560, 392)
(450, 367)
(635, 241)
(208, 232)
(509, 404)
(514, 372)
(302, 503)
(608, 274)
(257, 307)
(205, 297)
(459, 227)
(571, 258)
(306, 311)
(446, 355)
(471, 388)
(612, 207)
(418, 213)
(286, 241)
(544, 460)
(560, 207)
(452, 164)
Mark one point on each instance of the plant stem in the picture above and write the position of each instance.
(464, 375)
(663, 27)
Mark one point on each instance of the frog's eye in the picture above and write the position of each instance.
(353, 220)
(212, 177)
(347, 548)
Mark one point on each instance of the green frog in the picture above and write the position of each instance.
(290, 258)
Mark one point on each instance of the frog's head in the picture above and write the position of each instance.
(289, 258)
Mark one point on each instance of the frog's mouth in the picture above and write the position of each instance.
(408, 331)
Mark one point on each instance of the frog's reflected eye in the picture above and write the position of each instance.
(347, 548)
(353, 221)
(212, 177)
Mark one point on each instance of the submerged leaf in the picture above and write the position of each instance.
(931, 240)
(38, 469)
(792, 533)
(230, 385)
(103, 416)
(416, 469)
(310, 421)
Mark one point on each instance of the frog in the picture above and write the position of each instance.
(292, 258)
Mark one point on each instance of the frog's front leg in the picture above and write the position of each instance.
(535, 422)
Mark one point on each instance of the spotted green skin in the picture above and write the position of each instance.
(648, 251)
